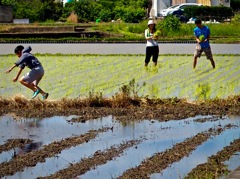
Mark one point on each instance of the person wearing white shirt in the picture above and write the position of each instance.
(152, 49)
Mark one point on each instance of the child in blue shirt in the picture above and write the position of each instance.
(202, 34)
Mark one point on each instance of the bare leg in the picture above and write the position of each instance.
(213, 63)
(30, 86)
(194, 62)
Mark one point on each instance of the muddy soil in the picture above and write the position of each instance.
(100, 157)
(13, 143)
(160, 161)
(124, 109)
(32, 158)
(215, 167)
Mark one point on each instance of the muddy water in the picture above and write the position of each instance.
(234, 162)
(156, 137)
(200, 155)
(177, 132)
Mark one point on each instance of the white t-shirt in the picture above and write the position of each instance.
(150, 42)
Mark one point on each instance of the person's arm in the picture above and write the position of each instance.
(18, 74)
(207, 39)
(146, 35)
(196, 36)
(10, 69)
(198, 40)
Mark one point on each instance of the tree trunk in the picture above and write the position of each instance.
(149, 6)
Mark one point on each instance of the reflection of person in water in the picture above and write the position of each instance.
(27, 148)
(35, 123)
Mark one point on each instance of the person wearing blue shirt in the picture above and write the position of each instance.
(202, 34)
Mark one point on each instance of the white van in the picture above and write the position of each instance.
(167, 11)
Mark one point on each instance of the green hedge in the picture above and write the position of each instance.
(219, 13)
(235, 4)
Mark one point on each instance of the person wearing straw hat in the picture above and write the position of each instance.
(152, 49)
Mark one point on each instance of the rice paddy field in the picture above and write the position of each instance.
(75, 76)
(109, 117)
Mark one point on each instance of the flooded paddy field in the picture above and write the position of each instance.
(109, 117)
(76, 76)
(108, 147)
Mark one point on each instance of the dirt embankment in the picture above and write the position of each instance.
(123, 108)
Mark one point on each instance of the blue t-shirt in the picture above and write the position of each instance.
(202, 31)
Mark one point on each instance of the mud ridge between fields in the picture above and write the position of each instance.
(123, 108)
(210, 119)
(215, 168)
(98, 158)
(13, 143)
(32, 158)
(162, 160)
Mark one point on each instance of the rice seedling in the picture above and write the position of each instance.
(76, 75)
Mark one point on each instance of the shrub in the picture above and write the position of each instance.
(236, 18)
(218, 13)
(169, 24)
(72, 18)
(129, 14)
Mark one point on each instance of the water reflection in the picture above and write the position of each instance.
(158, 136)
(28, 148)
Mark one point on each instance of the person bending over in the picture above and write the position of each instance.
(202, 35)
(32, 78)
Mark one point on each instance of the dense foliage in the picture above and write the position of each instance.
(169, 24)
(35, 10)
(235, 5)
(218, 13)
(87, 10)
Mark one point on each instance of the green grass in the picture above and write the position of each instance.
(77, 75)
(186, 30)
(220, 33)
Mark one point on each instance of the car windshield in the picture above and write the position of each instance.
(172, 7)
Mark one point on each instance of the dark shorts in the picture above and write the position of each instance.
(152, 52)
(198, 52)
(34, 76)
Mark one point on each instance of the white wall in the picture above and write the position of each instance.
(159, 5)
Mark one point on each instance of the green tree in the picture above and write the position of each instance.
(35, 10)
(8, 2)
(50, 10)
(106, 10)
(28, 9)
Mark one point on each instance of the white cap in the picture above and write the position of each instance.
(150, 22)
